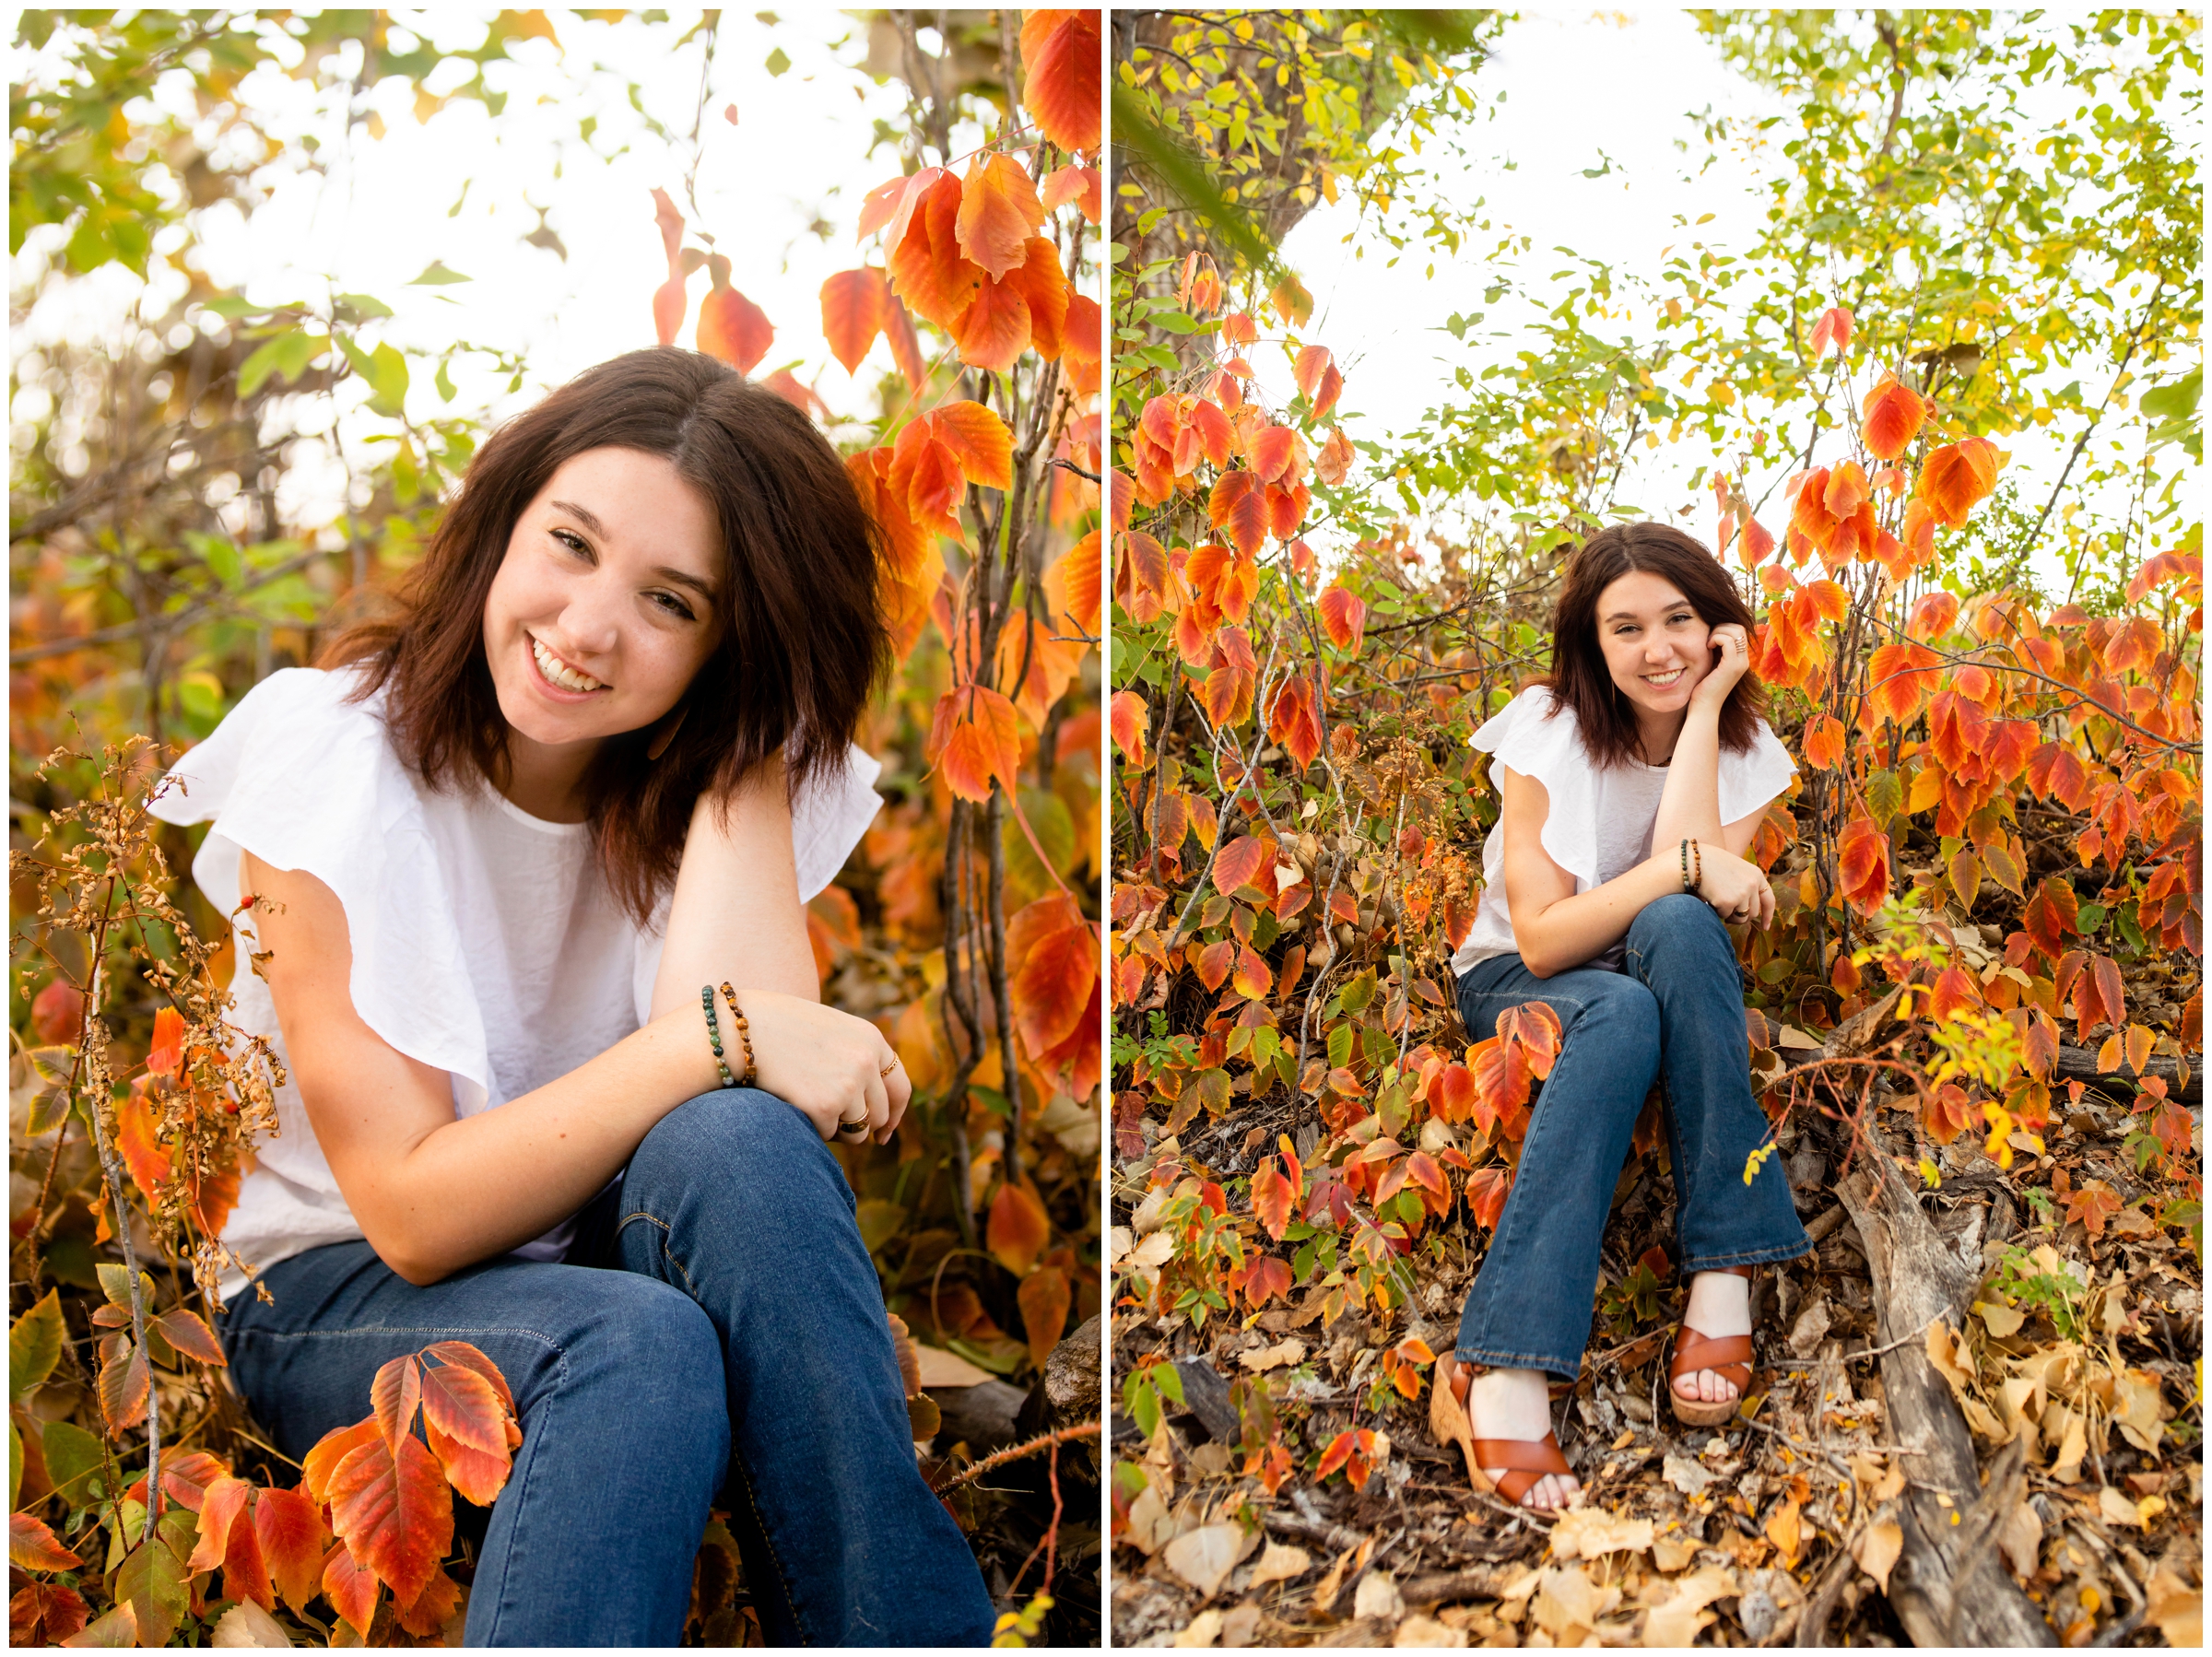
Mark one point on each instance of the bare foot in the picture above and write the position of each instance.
(1720, 1306)
(1516, 1404)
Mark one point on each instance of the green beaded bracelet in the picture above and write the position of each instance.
(706, 1000)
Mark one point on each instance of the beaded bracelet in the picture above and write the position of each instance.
(1697, 864)
(706, 1000)
(745, 1035)
(1687, 884)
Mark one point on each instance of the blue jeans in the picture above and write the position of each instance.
(1676, 1011)
(734, 1343)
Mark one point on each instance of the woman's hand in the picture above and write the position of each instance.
(837, 1069)
(1732, 648)
(1734, 886)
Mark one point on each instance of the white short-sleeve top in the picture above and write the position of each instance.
(484, 941)
(1600, 823)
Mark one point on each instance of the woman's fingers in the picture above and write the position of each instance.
(899, 1091)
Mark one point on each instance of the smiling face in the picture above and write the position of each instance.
(1654, 643)
(604, 608)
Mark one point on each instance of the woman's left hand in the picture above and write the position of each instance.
(1731, 646)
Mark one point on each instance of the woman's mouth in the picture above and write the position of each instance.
(557, 675)
(1663, 681)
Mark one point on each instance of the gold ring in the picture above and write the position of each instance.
(847, 1128)
(891, 1066)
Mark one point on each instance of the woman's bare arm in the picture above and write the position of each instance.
(1689, 807)
(433, 1193)
(737, 912)
(1557, 929)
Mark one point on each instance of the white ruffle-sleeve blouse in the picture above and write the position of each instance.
(1601, 819)
(484, 941)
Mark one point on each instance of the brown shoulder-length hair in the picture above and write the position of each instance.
(1579, 679)
(805, 644)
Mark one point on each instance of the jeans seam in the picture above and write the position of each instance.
(737, 1461)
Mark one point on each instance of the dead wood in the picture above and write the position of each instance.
(2079, 1064)
(1948, 1588)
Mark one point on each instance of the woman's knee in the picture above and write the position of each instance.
(738, 1141)
(1619, 1007)
(1678, 919)
(652, 1352)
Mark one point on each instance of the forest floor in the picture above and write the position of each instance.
(2079, 1368)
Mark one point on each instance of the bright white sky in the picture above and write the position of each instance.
(1581, 88)
(780, 191)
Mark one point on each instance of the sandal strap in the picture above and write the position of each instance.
(1721, 1354)
(1525, 1460)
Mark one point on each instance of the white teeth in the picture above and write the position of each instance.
(1662, 679)
(560, 672)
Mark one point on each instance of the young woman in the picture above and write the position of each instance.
(1633, 780)
(526, 862)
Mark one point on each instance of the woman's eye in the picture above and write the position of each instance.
(573, 542)
(674, 606)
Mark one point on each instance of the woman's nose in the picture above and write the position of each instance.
(591, 617)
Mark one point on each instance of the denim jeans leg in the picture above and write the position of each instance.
(1531, 1303)
(735, 1199)
(617, 1380)
(1678, 948)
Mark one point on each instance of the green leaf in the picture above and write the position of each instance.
(115, 1283)
(778, 62)
(435, 275)
(285, 356)
(879, 1222)
(363, 307)
(444, 383)
(73, 1456)
(34, 1347)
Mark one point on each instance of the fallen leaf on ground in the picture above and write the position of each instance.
(1283, 1355)
(1281, 1563)
(1672, 1552)
(1687, 1475)
(2022, 1540)
(2177, 1608)
(1206, 1627)
(1204, 1558)
(1679, 1621)
(1877, 1549)
(1566, 1599)
(1378, 1597)
(1591, 1533)
(1427, 1631)
(943, 1369)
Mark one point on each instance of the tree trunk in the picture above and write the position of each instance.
(1950, 1587)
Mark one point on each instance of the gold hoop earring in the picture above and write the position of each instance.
(665, 735)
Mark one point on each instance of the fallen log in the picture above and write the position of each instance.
(2079, 1064)
(1950, 1586)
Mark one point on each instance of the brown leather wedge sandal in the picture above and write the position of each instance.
(1525, 1460)
(1728, 1355)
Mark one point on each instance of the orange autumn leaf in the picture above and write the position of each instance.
(1131, 719)
(1052, 955)
(32, 1545)
(1018, 1229)
(393, 1510)
(289, 1526)
(1823, 742)
(351, 1588)
(1060, 55)
(730, 325)
(1893, 416)
(1343, 618)
(857, 306)
(1957, 476)
(1832, 329)
(1316, 372)
(1900, 678)
(168, 1051)
(1045, 1298)
(135, 1124)
(928, 270)
(1274, 1198)
(976, 739)
(1862, 858)
(1238, 508)
(1334, 463)
(1293, 722)
(998, 213)
(1081, 185)
(1080, 570)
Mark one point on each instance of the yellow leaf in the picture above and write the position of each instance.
(1876, 1549)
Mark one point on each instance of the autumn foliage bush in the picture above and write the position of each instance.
(966, 925)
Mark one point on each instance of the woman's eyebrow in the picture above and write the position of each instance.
(588, 519)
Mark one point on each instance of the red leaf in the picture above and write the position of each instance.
(1131, 718)
(1215, 963)
(45, 1614)
(186, 1331)
(125, 1384)
(288, 1525)
(1863, 857)
(1534, 1029)
(1052, 955)
(1254, 979)
(1237, 864)
(32, 1547)
(331, 1448)
(730, 325)
(1079, 184)
(168, 1051)
(1894, 414)
(470, 1357)
(1957, 476)
(853, 306)
(1274, 1198)
(1832, 329)
(220, 1506)
(1238, 508)
(431, 1609)
(1344, 618)
(981, 740)
(351, 1589)
(394, 1510)
(1488, 1188)
(1293, 722)
(1823, 742)
(1045, 1298)
(1060, 57)
(1018, 1229)
(1270, 1278)
(58, 1014)
(999, 212)
(394, 1397)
